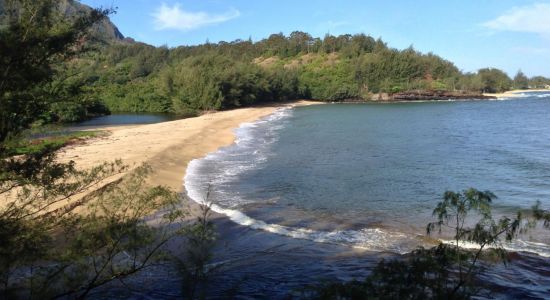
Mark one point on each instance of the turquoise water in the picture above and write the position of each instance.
(369, 175)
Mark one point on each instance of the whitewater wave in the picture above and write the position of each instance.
(372, 239)
(541, 249)
(531, 94)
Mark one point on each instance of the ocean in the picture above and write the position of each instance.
(346, 184)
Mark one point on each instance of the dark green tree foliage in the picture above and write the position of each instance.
(34, 41)
(521, 81)
(194, 268)
(48, 250)
(446, 271)
(129, 76)
(187, 79)
(64, 231)
(424, 274)
(494, 80)
(539, 82)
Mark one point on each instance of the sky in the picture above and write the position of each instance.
(505, 34)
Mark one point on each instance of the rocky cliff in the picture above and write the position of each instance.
(104, 31)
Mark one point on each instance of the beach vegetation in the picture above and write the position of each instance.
(521, 81)
(494, 80)
(35, 41)
(186, 80)
(66, 232)
(452, 269)
(36, 141)
(195, 264)
(539, 82)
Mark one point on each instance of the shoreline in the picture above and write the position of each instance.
(168, 147)
(514, 93)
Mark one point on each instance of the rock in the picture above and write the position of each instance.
(438, 95)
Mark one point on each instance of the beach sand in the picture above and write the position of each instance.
(167, 147)
(513, 93)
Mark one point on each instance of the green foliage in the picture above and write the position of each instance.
(494, 80)
(329, 78)
(446, 271)
(188, 79)
(72, 253)
(423, 274)
(455, 211)
(521, 81)
(539, 82)
(36, 39)
(200, 240)
(135, 77)
(66, 231)
(51, 140)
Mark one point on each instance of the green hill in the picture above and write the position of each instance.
(188, 79)
(130, 76)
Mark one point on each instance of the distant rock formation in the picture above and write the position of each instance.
(423, 95)
(105, 31)
(437, 95)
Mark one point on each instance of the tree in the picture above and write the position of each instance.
(521, 81)
(446, 271)
(494, 80)
(201, 237)
(65, 231)
(61, 244)
(539, 82)
(36, 39)
(299, 42)
(454, 213)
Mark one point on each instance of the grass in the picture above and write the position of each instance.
(36, 142)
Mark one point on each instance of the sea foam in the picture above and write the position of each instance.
(519, 245)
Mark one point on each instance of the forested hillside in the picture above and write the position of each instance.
(188, 79)
(122, 75)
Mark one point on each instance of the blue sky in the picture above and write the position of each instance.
(507, 34)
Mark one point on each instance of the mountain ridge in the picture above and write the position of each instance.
(105, 31)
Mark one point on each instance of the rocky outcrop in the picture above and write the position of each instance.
(422, 95)
(437, 95)
(105, 31)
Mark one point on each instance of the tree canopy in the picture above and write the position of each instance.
(187, 79)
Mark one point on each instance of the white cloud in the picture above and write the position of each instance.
(533, 18)
(175, 17)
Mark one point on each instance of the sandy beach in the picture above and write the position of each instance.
(168, 147)
(513, 93)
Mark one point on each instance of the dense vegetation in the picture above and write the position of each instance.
(122, 75)
(188, 79)
(65, 231)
